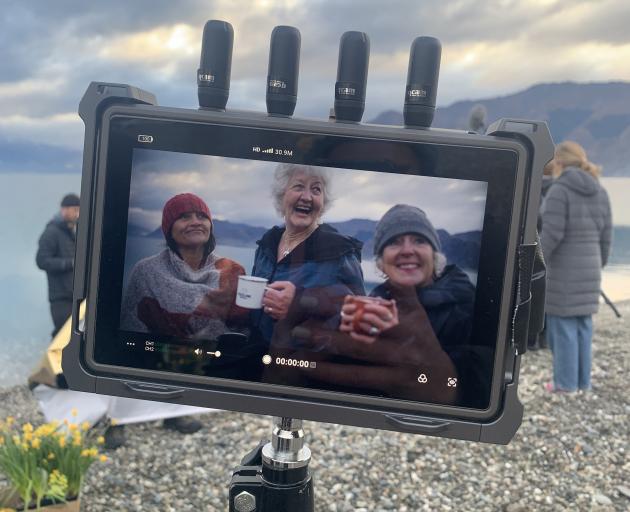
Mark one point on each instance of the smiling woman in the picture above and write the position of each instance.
(185, 290)
(310, 265)
(420, 317)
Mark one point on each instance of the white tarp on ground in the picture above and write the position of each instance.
(58, 404)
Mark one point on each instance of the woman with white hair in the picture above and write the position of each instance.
(576, 240)
(310, 266)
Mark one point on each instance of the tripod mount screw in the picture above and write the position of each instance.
(244, 502)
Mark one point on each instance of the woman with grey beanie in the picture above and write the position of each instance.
(422, 319)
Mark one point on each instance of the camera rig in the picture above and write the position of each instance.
(283, 468)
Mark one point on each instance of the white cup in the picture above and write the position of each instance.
(250, 291)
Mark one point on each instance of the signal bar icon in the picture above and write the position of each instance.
(268, 150)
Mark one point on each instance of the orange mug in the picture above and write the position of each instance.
(360, 303)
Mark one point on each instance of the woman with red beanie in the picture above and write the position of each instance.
(186, 290)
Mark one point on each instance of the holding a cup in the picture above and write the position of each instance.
(364, 318)
(250, 291)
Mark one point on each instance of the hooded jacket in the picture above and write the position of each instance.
(449, 304)
(55, 255)
(324, 268)
(576, 241)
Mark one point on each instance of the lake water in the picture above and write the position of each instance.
(28, 201)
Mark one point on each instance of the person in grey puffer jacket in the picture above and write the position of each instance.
(576, 241)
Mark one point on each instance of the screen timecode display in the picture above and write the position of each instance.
(287, 361)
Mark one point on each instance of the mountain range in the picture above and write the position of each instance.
(460, 248)
(597, 115)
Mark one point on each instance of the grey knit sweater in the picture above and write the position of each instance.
(165, 296)
(576, 240)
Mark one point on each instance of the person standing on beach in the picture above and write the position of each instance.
(55, 255)
(576, 241)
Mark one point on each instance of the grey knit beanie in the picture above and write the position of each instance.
(401, 219)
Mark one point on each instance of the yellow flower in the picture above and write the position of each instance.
(25, 446)
(103, 458)
(76, 441)
(62, 442)
(113, 423)
(28, 436)
(74, 412)
(10, 421)
(36, 443)
(16, 439)
(51, 456)
(100, 440)
(85, 453)
(85, 426)
(1, 441)
(73, 427)
(45, 430)
(27, 427)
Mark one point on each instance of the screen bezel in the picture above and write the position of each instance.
(191, 137)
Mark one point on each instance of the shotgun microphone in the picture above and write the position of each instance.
(352, 70)
(422, 81)
(284, 68)
(213, 75)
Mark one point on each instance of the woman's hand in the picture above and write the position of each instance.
(375, 317)
(278, 298)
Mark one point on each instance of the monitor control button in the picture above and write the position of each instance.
(451, 382)
(422, 378)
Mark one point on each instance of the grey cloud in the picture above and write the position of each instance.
(43, 40)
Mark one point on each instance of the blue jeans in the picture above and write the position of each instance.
(570, 341)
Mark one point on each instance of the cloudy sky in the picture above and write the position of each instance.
(240, 191)
(51, 50)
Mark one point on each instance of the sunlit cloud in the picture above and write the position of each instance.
(490, 48)
(159, 45)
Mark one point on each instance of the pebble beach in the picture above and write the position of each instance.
(571, 453)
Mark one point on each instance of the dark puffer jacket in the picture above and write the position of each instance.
(324, 268)
(576, 240)
(449, 304)
(55, 255)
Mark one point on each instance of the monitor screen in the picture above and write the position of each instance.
(375, 277)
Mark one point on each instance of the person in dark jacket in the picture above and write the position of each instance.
(576, 241)
(55, 255)
(310, 266)
(424, 324)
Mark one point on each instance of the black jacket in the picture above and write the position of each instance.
(55, 255)
(449, 304)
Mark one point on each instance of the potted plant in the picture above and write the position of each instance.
(45, 466)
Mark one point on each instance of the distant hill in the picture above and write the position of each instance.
(20, 156)
(597, 115)
(460, 248)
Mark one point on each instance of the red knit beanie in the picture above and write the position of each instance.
(177, 205)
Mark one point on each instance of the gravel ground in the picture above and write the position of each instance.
(571, 453)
